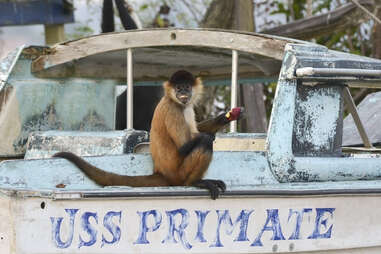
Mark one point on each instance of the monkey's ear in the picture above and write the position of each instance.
(198, 89)
(169, 91)
(198, 82)
(167, 87)
(166, 84)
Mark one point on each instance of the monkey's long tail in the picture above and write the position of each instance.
(104, 178)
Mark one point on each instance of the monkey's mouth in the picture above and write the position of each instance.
(183, 99)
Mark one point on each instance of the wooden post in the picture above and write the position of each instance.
(252, 99)
(54, 34)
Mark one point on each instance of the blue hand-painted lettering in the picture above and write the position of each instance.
(90, 230)
(172, 228)
(143, 229)
(320, 221)
(179, 224)
(224, 216)
(273, 218)
(56, 228)
(201, 216)
(111, 227)
(299, 219)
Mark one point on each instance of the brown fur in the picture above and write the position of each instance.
(170, 131)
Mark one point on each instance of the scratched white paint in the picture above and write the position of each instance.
(9, 126)
(322, 118)
(192, 225)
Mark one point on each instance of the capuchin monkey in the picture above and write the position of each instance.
(181, 149)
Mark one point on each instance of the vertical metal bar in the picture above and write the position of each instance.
(130, 91)
(234, 88)
(353, 110)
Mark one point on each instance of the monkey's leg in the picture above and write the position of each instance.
(195, 166)
(215, 124)
(191, 169)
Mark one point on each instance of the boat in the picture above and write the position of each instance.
(294, 189)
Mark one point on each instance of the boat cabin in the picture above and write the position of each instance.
(80, 96)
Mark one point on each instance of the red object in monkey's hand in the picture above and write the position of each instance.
(235, 114)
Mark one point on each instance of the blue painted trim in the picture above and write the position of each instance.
(48, 12)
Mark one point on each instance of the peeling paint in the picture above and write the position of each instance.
(316, 128)
(45, 144)
(39, 104)
(305, 132)
(7, 64)
(10, 127)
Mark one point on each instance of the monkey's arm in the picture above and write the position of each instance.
(215, 124)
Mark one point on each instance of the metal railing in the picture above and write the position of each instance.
(130, 91)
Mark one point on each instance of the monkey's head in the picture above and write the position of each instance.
(184, 88)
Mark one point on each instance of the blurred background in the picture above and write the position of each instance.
(347, 25)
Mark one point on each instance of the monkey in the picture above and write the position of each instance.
(181, 149)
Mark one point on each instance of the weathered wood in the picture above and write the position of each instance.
(144, 72)
(228, 142)
(255, 117)
(261, 45)
(311, 27)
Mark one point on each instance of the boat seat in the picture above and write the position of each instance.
(226, 142)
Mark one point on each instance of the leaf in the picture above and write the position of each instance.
(143, 7)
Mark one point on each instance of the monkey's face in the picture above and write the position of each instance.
(183, 88)
(183, 92)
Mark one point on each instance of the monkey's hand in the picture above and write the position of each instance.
(234, 114)
(215, 187)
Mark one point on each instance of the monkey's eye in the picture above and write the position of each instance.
(183, 88)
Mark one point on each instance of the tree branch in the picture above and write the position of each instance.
(311, 27)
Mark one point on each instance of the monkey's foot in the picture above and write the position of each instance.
(215, 187)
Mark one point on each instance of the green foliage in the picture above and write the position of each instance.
(143, 7)
(324, 5)
(297, 10)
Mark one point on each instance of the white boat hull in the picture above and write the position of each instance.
(260, 224)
